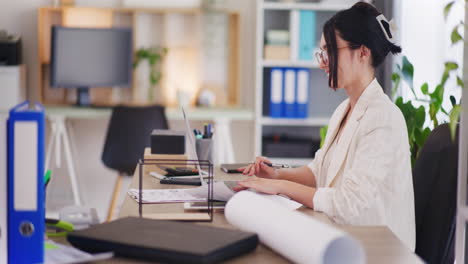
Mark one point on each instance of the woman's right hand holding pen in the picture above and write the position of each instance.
(260, 169)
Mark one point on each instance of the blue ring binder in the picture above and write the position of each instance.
(25, 166)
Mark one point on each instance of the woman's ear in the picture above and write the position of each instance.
(364, 53)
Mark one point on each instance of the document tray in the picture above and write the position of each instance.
(164, 241)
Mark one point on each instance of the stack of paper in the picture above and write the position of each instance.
(164, 196)
(222, 191)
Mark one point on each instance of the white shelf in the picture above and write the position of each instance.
(311, 121)
(320, 6)
(287, 63)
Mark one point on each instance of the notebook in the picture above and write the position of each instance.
(164, 241)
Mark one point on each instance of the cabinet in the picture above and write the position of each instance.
(285, 139)
(182, 30)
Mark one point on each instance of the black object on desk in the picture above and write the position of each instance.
(181, 181)
(164, 241)
(233, 167)
(165, 141)
(179, 171)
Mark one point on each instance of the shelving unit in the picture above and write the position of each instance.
(269, 131)
(181, 30)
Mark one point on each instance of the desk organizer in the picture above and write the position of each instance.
(203, 165)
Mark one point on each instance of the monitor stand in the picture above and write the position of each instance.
(82, 96)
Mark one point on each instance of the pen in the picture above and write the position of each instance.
(47, 177)
(274, 165)
(209, 131)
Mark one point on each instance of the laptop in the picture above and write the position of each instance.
(191, 147)
(164, 241)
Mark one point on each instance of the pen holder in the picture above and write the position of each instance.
(204, 148)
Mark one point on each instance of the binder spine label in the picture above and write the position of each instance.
(276, 99)
(289, 93)
(302, 93)
(25, 165)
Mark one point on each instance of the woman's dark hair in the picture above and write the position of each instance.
(358, 26)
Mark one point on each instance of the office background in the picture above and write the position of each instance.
(20, 17)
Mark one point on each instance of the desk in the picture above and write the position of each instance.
(60, 132)
(380, 244)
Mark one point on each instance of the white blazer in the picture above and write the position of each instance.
(369, 180)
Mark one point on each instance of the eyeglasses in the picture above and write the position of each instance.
(322, 55)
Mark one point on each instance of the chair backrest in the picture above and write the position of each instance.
(128, 134)
(435, 193)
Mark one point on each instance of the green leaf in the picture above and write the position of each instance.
(445, 77)
(460, 82)
(454, 116)
(153, 79)
(453, 100)
(438, 95)
(447, 9)
(323, 134)
(396, 83)
(433, 114)
(455, 36)
(420, 116)
(425, 88)
(421, 137)
(408, 73)
(450, 66)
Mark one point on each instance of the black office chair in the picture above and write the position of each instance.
(435, 193)
(128, 134)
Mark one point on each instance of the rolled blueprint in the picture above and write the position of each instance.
(296, 236)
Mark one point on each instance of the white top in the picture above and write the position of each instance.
(368, 180)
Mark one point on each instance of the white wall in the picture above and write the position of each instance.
(20, 18)
(96, 181)
(425, 40)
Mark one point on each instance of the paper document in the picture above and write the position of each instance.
(296, 236)
(222, 191)
(165, 196)
(60, 254)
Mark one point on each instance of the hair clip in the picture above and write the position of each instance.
(388, 28)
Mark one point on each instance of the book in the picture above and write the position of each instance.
(307, 35)
(294, 34)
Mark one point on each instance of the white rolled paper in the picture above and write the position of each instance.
(296, 236)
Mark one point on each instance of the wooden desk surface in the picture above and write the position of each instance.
(380, 244)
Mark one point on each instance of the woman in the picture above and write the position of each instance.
(362, 174)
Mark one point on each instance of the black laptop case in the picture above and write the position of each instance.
(164, 241)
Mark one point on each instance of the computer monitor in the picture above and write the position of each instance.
(84, 58)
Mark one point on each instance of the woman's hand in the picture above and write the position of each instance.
(268, 186)
(260, 169)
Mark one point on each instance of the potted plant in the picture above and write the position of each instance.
(431, 103)
(154, 56)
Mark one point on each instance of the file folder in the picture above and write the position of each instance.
(276, 92)
(289, 93)
(302, 98)
(25, 135)
(307, 40)
(3, 190)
